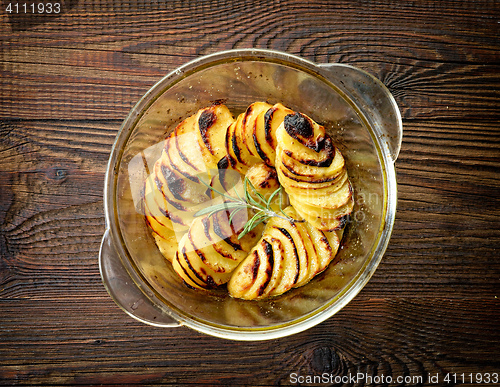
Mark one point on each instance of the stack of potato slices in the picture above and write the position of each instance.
(269, 146)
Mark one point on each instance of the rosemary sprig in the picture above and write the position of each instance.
(260, 205)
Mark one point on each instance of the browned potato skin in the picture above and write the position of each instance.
(312, 172)
(173, 190)
(251, 139)
(288, 255)
(210, 250)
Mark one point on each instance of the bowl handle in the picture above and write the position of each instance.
(123, 290)
(374, 99)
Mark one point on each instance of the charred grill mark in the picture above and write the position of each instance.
(158, 183)
(225, 238)
(245, 138)
(206, 227)
(223, 163)
(206, 120)
(231, 161)
(167, 173)
(182, 155)
(186, 260)
(189, 286)
(289, 237)
(291, 170)
(236, 149)
(268, 251)
(271, 177)
(291, 174)
(210, 282)
(272, 174)
(162, 210)
(232, 224)
(265, 184)
(148, 222)
(329, 150)
(219, 101)
(329, 154)
(166, 214)
(176, 168)
(177, 188)
(280, 244)
(324, 240)
(207, 281)
(230, 242)
(313, 244)
(223, 252)
(268, 129)
(255, 265)
(201, 255)
(342, 222)
(203, 258)
(174, 219)
(177, 206)
(313, 163)
(300, 127)
(260, 152)
(247, 114)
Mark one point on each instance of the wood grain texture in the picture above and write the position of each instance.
(68, 81)
(360, 338)
(432, 57)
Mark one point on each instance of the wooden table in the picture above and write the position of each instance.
(68, 81)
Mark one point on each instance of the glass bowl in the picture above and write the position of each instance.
(364, 121)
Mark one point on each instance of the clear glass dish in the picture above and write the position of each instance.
(364, 121)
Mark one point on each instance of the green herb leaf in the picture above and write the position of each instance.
(259, 205)
(269, 201)
(217, 207)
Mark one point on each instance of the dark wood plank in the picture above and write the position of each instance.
(440, 61)
(359, 339)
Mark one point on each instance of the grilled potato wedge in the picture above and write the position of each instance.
(210, 251)
(264, 133)
(312, 172)
(288, 255)
(211, 127)
(240, 144)
(324, 218)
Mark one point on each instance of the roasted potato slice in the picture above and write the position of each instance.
(190, 266)
(211, 127)
(264, 134)
(332, 201)
(167, 244)
(323, 218)
(253, 275)
(295, 170)
(240, 143)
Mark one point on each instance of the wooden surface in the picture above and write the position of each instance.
(67, 83)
